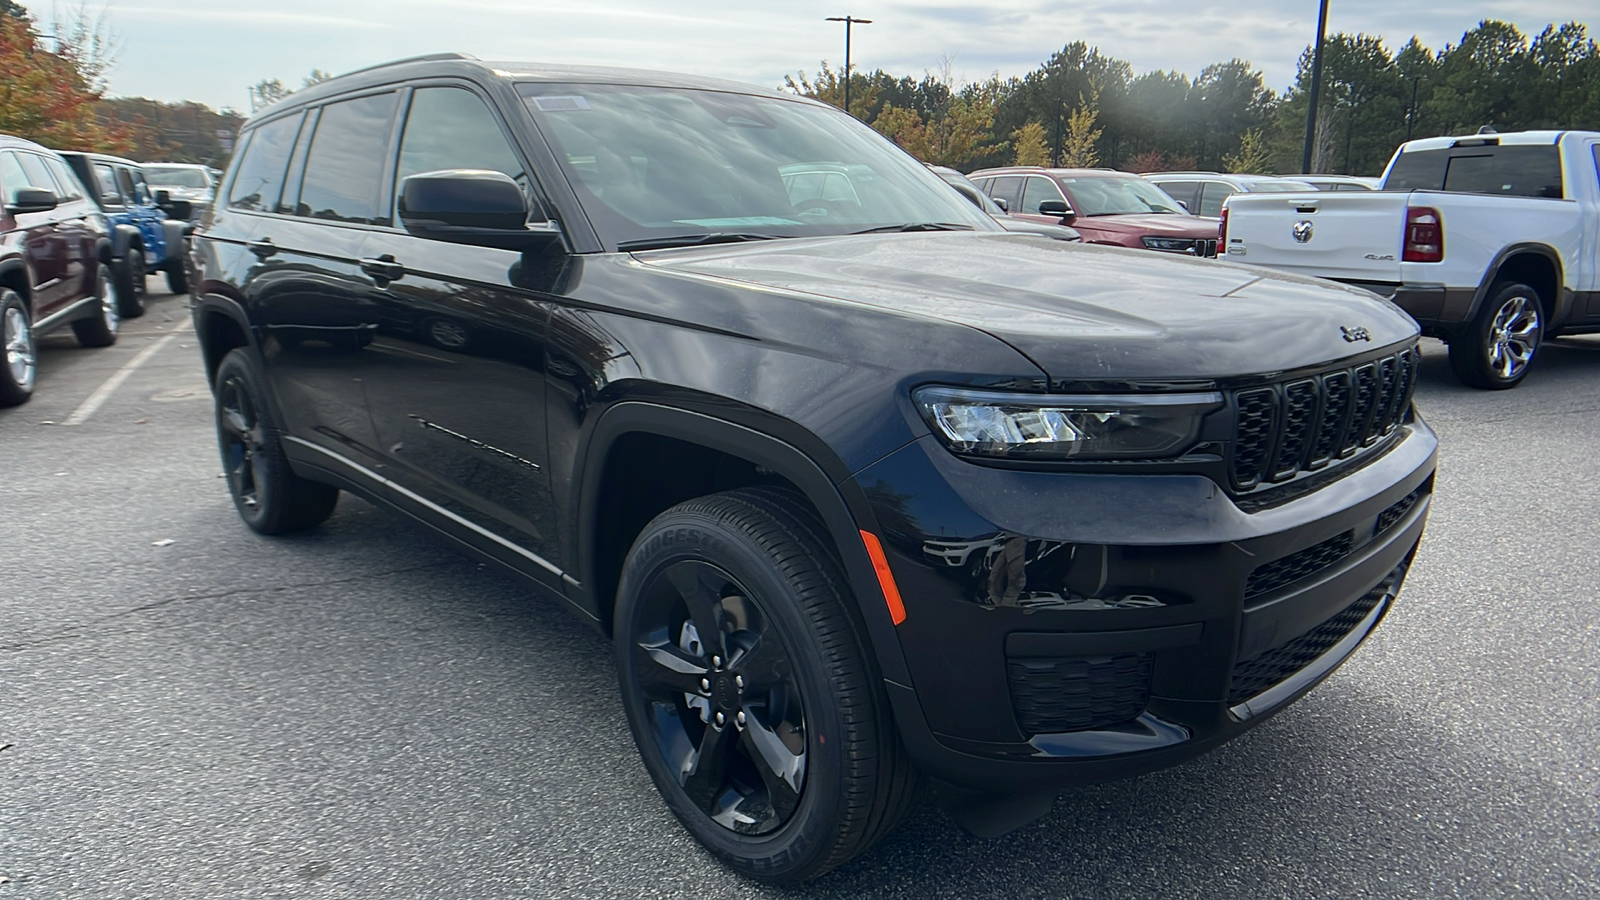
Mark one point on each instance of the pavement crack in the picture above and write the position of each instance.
(74, 631)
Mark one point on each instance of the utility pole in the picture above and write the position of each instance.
(1411, 114)
(848, 21)
(1316, 88)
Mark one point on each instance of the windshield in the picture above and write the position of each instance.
(656, 164)
(176, 177)
(1111, 196)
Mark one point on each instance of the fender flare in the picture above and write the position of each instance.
(842, 518)
(122, 237)
(176, 233)
(207, 305)
(18, 264)
(1560, 304)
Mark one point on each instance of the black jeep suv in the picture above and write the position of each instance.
(865, 489)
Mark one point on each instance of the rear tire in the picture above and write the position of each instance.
(20, 364)
(130, 284)
(100, 329)
(788, 763)
(1497, 348)
(269, 496)
(178, 273)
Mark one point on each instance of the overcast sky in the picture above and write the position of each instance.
(211, 50)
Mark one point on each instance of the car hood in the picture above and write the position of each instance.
(1082, 313)
(1161, 224)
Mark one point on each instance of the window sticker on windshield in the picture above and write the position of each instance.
(561, 104)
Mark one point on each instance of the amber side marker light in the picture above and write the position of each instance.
(880, 564)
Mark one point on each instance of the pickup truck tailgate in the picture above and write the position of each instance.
(1352, 236)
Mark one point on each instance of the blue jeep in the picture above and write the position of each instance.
(149, 230)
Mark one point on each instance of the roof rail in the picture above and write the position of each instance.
(427, 57)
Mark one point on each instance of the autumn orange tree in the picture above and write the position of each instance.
(49, 96)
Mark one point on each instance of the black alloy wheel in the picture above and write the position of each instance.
(269, 496)
(750, 690)
(131, 289)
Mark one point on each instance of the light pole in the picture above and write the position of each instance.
(1316, 88)
(848, 21)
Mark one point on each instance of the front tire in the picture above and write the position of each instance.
(269, 496)
(178, 272)
(1496, 349)
(100, 330)
(21, 363)
(750, 689)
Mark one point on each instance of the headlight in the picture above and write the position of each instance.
(1170, 245)
(1061, 426)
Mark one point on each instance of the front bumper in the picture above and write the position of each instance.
(1068, 628)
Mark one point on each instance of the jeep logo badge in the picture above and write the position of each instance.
(1351, 335)
(1302, 231)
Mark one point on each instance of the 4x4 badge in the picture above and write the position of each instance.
(1352, 335)
(1302, 231)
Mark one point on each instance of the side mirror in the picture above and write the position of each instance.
(163, 196)
(32, 200)
(1057, 208)
(175, 209)
(1183, 204)
(1001, 202)
(470, 206)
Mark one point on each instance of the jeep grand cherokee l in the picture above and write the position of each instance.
(863, 488)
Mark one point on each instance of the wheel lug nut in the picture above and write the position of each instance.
(716, 662)
(721, 720)
(705, 685)
(739, 719)
(738, 681)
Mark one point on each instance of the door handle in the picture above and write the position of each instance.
(384, 268)
(262, 248)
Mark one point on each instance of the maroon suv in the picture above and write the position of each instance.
(1105, 206)
(54, 254)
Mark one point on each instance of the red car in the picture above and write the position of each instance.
(1105, 206)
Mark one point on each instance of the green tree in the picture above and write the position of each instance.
(1252, 157)
(49, 96)
(1028, 143)
(1078, 144)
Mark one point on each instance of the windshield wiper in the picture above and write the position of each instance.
(694, 240)
(916, 226)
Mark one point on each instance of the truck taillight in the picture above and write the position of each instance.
(1222, 233)
(1424, 235)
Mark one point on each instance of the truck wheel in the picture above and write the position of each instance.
(178, 274)
(130, 284)
(750, 689)
(1496, 349)
(100, 330)
(270, 497)
(21, 361)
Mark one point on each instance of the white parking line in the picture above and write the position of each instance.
(105, 390)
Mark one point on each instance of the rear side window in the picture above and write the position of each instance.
(259, 179)
(344, 171)
(1211, 200)
(1522, 170)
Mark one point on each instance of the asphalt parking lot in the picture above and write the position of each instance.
(190, 710)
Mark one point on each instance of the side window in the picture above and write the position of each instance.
(129, 190)
(1212, 197)
(12, 176)
(1182, 191)
(1006, 188)
(110, 191)
(71, 188)
(259, 178)
(1037, 190)
(141, 188)
(344, 171)
(452, 128)
(35, 174)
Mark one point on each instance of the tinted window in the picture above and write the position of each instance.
(452, 128)
(1110, 195)
(129, 189)
(1524, 170)
(1182, 191)
(35, 174)
(110, 191)
(259, 177)
(1037, 190)
(71, 188)
(344, 173)
(1212, 197)
(1006, 188)
(12, 176)
(141, 189)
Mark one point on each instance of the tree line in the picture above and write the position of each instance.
(1084, 108)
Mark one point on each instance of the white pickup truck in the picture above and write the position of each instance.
(1489, 241)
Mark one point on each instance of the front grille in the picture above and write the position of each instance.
(1284, 429)
(1300, 564)
(1078, 693)
(1398, 511)
(1270, 667)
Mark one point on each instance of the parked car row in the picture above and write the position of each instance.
(865, 490)
(79, 233)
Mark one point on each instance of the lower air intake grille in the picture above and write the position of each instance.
(1078, 693)
(1268, 668)
(1302, 564)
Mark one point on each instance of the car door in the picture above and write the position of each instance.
(80, 225)
(1185, 192)
(1212, 197)
(146, 216)
(1588, 277)
(456, 371)
(1006, 189)
(44, 248)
